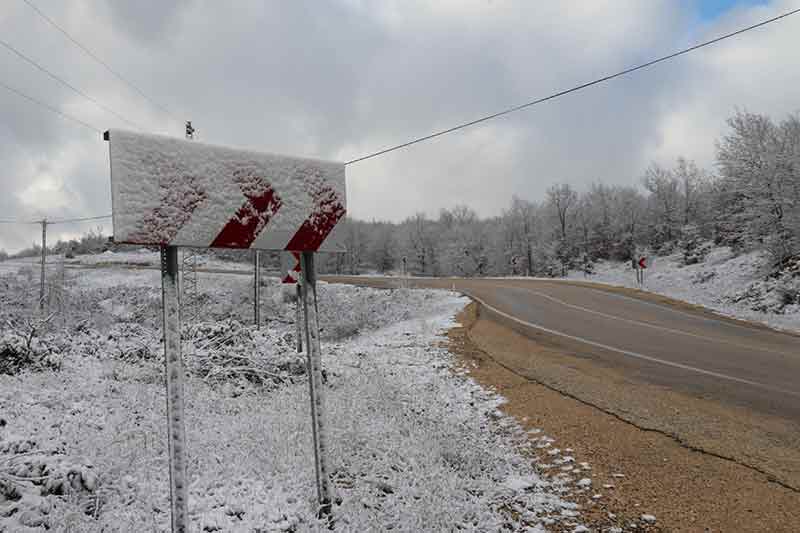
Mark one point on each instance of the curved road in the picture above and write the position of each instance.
(681, 348)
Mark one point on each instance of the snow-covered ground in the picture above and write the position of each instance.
(730, 284)
(145, 257)
(136, 258)
(416, 445)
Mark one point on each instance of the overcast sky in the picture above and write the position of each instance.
(341, 78)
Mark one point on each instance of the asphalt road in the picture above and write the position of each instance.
(667, 345)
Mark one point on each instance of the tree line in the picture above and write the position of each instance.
(749, 200)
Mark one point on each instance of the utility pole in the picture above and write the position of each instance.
(190, 300)
(44, 259)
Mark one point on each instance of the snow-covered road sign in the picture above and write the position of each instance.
(171, 192)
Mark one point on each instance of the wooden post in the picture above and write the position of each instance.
(44, 260)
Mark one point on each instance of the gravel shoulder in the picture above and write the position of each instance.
(683, 458)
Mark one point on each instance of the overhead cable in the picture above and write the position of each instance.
(48, 107)
(571, 90)
(94, 56)
(65, 83)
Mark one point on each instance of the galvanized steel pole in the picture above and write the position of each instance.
(257, 288)
(298, 317)
(173, 363)
(314, 365)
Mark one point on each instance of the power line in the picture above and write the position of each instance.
(84, 219)
(48, 106)
(19, 222)
(49, 222)
(98, 60)
(67, 84)
(567, 91)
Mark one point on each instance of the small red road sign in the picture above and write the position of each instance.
(291, 268)
(643, 262)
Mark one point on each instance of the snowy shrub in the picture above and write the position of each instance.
(34, 482)
(133, 342)
(770, 295)
(26, 352)
(693, 246)
(788, 291)
(230, 351)
(703, 276)
(347, 311)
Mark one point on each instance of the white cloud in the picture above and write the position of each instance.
(344, 78)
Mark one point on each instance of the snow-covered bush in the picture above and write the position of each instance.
(774, 295)
(347, 311)
(229, 351)
(34, 482)
(20, 352)
(132, 342)
(694, 247)
(704, 276)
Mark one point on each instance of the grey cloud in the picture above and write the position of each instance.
(342, 78)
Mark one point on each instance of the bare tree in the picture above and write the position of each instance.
(562, 198)
(521, 232)
(664, 201)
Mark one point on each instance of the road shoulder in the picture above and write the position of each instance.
(573, 400)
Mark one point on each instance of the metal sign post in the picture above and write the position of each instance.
(257, 288)
(642, 264)
(298, 318)
(173, 364)
(308, 289)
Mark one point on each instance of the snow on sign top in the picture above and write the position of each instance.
(168, 191)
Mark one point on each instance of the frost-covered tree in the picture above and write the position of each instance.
(562, 200)
(664, 204)
(520, 232)
(419, 245)
(381, 249)
(465, 249)
(758, 163)
(355, 242)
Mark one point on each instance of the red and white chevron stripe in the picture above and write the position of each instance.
(168, 191)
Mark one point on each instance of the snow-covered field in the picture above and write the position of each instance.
(145, 257)
(730, 284)
(416, 445)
